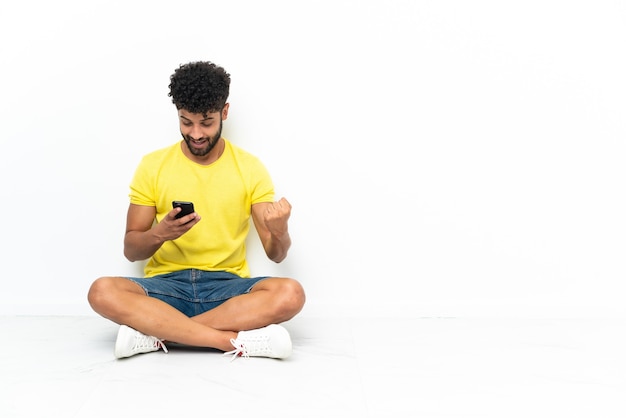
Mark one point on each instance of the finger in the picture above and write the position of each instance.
(284, 203)
(172, 213)
(273, 207)
(188, 218)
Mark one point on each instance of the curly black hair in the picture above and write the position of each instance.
(199, 87)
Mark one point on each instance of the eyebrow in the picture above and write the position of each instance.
(201, 120)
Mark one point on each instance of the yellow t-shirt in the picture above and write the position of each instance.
(222, 193)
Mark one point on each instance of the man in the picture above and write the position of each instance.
(197, 288)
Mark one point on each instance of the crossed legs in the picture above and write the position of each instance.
(271, 301)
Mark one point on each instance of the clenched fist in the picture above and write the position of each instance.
(276, 215)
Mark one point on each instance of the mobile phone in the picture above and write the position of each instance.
(187, 208)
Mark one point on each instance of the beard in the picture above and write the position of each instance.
(211, 142)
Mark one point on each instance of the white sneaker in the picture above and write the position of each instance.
(271, 341)
(130, 342)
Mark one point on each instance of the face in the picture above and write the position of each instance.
(201, 132)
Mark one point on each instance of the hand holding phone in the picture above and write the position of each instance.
(186, 208)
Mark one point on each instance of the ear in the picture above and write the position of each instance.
(225, 111)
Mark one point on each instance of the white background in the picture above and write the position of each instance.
(455, 158)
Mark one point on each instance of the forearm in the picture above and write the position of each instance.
(277, 247)
(270, 219)
(140, 245)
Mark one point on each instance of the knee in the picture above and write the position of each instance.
(100, 293)
(292, 297)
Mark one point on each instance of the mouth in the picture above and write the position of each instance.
(198, 143)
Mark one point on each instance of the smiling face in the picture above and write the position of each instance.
(202, 133)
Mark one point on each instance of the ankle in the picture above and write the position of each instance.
(227, 336)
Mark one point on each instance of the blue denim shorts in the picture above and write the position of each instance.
(196, 291)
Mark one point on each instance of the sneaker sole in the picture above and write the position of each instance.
(288, 348)
(122, 335)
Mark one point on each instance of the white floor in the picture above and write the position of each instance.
(421, 367)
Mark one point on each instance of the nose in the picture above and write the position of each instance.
(195, 132)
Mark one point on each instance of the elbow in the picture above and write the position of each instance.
(278, 257)
(277, 260)
(129, 256)
(127, 253)
(277, 250)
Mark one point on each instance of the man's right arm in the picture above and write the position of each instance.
(142, 239)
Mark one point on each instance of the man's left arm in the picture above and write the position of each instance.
(271, 222)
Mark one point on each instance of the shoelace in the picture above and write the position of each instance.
(258, 345)
(162, 345)
(147, 341)
(239, 351)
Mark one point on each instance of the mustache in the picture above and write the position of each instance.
(191, 138)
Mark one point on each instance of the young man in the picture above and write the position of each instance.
(197, 288)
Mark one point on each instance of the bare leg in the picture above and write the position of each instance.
(124, 302)
(271, 301)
